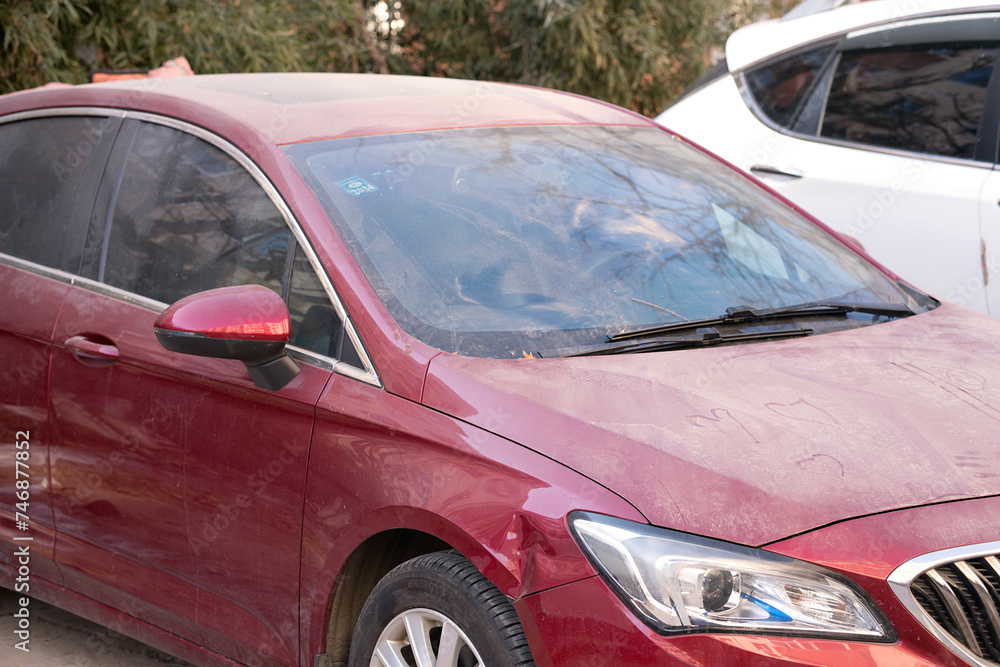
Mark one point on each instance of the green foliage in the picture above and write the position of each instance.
(636, 53)
(33, 49)
(61, 40)
(331, 35)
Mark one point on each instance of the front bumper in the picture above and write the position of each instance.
(584, 623)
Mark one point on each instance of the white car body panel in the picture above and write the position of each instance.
(989, 203)
(918, 216)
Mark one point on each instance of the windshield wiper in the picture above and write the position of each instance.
(679, 342)
(741, 314)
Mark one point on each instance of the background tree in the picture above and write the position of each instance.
(61, 40)
(636, 53)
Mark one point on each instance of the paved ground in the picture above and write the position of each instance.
(60, 639)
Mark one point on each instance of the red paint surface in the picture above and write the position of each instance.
(754, 443)
(191, 503)
(304, 107)
(30, 307)
(177, 485)
(585, 624)
(219, 313)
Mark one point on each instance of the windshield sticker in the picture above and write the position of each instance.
(356, 186)
(749, 248)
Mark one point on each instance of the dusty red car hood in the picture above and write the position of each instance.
(758, 442)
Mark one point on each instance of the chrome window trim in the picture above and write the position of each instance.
(905, 574)
(38, 269)
(368, 375)
(118, 293)
(63, 111)
(79, 281)
(315, 359)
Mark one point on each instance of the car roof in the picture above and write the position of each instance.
(291, 108)
(760, 40)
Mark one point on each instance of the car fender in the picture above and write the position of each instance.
(509, 524)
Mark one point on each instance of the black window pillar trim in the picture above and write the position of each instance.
(126, 139)
(988, 138)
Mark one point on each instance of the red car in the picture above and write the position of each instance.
(339, 369)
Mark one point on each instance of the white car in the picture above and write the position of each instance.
(881, 119)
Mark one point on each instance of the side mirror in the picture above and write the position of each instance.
(248, 322)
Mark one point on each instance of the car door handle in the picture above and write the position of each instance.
(780, 171)
(92, 352)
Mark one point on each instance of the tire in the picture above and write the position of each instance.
(437, 610)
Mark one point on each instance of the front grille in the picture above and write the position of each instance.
(957, 600)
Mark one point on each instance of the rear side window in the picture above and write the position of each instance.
(782, 88)
(49, 170)
(927, 99)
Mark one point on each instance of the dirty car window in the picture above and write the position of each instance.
(499, 241)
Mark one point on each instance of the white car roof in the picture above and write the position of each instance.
(760, 40)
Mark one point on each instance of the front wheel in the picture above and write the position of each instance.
(438, 611)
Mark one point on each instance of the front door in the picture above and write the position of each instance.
(178, 484)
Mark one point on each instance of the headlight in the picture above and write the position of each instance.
(678, 582)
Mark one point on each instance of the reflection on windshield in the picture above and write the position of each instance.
(497, 241)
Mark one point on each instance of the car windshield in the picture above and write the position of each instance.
(497, 242)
